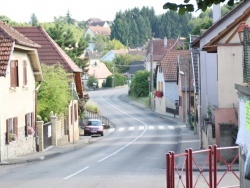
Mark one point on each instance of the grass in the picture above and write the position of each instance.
(142, 100)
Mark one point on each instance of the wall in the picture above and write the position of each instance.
(230, 72)
(17, 102)
(208, 82)
(73, 128)
(223, 115)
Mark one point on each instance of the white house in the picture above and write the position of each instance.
(19, 70)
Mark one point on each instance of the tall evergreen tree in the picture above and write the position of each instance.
(34, 20)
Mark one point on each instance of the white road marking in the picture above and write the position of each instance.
(171, 127)
(111, 130)
(141, 127)
(70, 176)
(151, 127)
(117, 151)
(187, 141)
(161, 127)
(121, 129)
(131, 128)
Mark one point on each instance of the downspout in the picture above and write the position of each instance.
(36, 135)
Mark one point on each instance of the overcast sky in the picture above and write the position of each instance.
(46, 10)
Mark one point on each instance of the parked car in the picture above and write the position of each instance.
(93, 127)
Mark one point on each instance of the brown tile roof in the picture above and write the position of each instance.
(159, 50)
(49, 53)
(97, 30)
(169, 64)
(8, 38)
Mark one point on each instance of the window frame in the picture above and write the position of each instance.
(11, 127)
(14, 77)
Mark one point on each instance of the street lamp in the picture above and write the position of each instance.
(183, 74)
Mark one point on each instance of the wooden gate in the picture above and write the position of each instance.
(47, 137)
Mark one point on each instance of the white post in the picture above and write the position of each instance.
(72, 113)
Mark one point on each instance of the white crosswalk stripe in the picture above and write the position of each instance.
(160, 127)
(131, 128)
(141, 127)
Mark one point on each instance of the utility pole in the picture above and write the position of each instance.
(189, 91)
(113, 75)
(151, 73)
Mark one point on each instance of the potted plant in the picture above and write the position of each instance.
(12, 137)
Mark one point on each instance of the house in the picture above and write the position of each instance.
(20, 69)
(50, 53)
(109, 57)
(166, 93)
(92, 56)
(186, 102)
(99, 71)
(221, 67)
(93, 31)
(159, 47)
(134, 67)
(100, 23)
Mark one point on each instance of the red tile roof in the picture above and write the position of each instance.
(49, 53)
(169, 63)
(159, 50)
(8, 38)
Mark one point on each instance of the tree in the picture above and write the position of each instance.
(54, 93)
(139, 85)
(201, 4)
(34, 20)
(91, 81)
(69, 19)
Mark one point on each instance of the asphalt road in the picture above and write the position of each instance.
(132, 154)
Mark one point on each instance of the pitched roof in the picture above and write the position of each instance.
(160, 47)
(98, 30)
(9, 37)
(93, 55)
(136, 66)
(169, 64)
(99, 23)
(99, 71)
(49, 53)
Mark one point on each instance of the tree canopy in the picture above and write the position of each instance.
(201, 5)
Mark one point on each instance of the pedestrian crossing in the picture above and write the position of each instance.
(160, 127)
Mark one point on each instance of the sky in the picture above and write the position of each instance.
(81, 10)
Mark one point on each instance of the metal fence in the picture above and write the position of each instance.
(94, 115)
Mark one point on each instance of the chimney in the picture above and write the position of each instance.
(165, 42)
(216, 13)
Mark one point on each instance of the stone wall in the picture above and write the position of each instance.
(23, 145)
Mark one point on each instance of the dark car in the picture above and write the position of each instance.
(93, 127)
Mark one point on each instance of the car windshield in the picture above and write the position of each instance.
(94, 123)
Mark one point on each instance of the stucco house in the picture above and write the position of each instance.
(221, 67)
(93, 31)
(19, 70)
(51, 54)
(166, 93)
(109, 56)
(99, 71)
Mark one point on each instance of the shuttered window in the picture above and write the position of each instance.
(14, 82)
(11, 129)
(29, 122)
(25, 80)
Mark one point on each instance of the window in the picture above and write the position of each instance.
(11, 130)
(29, 124)
(25, 80)
(192, 101)
(14, 82)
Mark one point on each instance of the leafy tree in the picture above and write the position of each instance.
(54, 93)
(101, 43)
(201, 4)
(139, 85)
(91, 81)
(34, 20)
(114, 45)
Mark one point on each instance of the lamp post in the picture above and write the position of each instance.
(183, 74)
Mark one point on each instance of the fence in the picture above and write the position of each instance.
(200, 169)
(94, 115)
